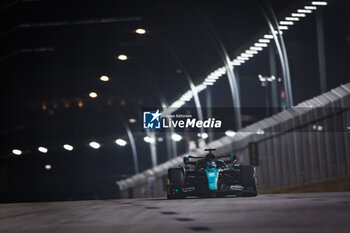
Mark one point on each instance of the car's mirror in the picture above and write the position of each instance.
(186, 160)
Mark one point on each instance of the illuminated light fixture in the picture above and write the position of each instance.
(80, 104)
(149, 139)
(262, 78)
(93, 94)
(218, 73)
(236, 63)
(260, 132)
(132, 120)
(264, 40)
(310, 7)
(319, 3)
(42, 149)
(222, 72)
(251, 52)
(212, 77)
(16, 152)
(201, 87)
(292, 18)
(177, 104)
(242, 58)
(230, 133)
(268, 36)
(94, 145)
(104, 78)
(208, 83)
(304, 11)
(203, 135)
(286, 23)
(120, 142)
(186, 98)
(210, 80)
(68, 147)
(122, 57)
(298, 15)
(176, 137)
(260, 44)
(180, 102)
(255, 48)
(276, 32)
(268, 79)
(48, 167)
(215, 73)
(246, 55)
(283, 27)
(140, 31)
(160, 139)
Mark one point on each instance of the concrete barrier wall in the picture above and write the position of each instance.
(310, 141)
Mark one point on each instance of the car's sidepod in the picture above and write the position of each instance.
(212, 176)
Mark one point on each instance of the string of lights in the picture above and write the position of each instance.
(249, 53)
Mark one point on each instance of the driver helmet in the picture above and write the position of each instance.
(211, 164)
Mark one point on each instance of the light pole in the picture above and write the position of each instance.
(265, 81)
(132, 141)
(281, 48)
(208, 26)
(321, 51)
(273, 72)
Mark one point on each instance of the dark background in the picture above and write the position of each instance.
(52, 56)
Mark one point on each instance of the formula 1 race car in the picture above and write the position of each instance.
(211, 176)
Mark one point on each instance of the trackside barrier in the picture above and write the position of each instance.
(310, 141)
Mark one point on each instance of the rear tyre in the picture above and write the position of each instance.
(175, 183)
(248, 181)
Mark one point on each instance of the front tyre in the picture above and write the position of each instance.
(176, 180)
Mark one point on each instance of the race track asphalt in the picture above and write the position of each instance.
(313, 212)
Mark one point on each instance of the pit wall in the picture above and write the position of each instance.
(309, 142)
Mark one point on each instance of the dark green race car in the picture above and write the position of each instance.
(211, 176)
